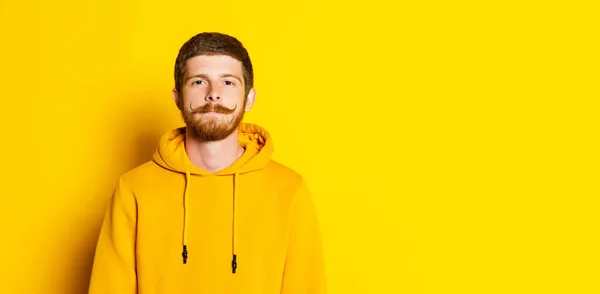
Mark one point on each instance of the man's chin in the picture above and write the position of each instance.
(210, 131)
(211, 126)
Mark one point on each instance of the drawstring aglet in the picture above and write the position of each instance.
(184, 254)
(234, 263)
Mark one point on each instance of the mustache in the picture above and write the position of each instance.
(218, 108)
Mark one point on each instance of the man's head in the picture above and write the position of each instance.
(214, 84)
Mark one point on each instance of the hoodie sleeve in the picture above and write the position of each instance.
(114, 268)
(304, 271)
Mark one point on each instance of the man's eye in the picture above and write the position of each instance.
(198, 82)
(229, 83)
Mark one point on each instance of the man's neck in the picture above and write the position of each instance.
(213, 156)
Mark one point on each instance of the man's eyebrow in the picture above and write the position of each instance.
(230, 76)
(196, 76)
(220, 76)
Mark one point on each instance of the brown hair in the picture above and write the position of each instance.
(212, 43)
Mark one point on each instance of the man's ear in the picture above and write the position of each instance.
(176, 98)
(250, 100)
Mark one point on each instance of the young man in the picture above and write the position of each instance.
(211, 212)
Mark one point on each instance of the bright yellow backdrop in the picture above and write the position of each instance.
(452, 146)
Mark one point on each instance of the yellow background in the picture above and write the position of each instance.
(452, 146)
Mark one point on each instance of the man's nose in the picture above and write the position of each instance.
(214, 94)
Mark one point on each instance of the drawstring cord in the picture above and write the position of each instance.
(235, 190)
(185, 216)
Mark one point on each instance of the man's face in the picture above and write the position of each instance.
(213, 96)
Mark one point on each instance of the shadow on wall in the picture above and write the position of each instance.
(131, 139)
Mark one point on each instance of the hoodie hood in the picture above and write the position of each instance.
(171, 155)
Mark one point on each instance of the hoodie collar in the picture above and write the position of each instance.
(171, 154)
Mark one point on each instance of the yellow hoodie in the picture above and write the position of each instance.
(172, 228)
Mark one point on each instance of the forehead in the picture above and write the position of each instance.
(213, 64)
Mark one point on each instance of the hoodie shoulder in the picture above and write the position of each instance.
(143, 173)
(283, 172)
